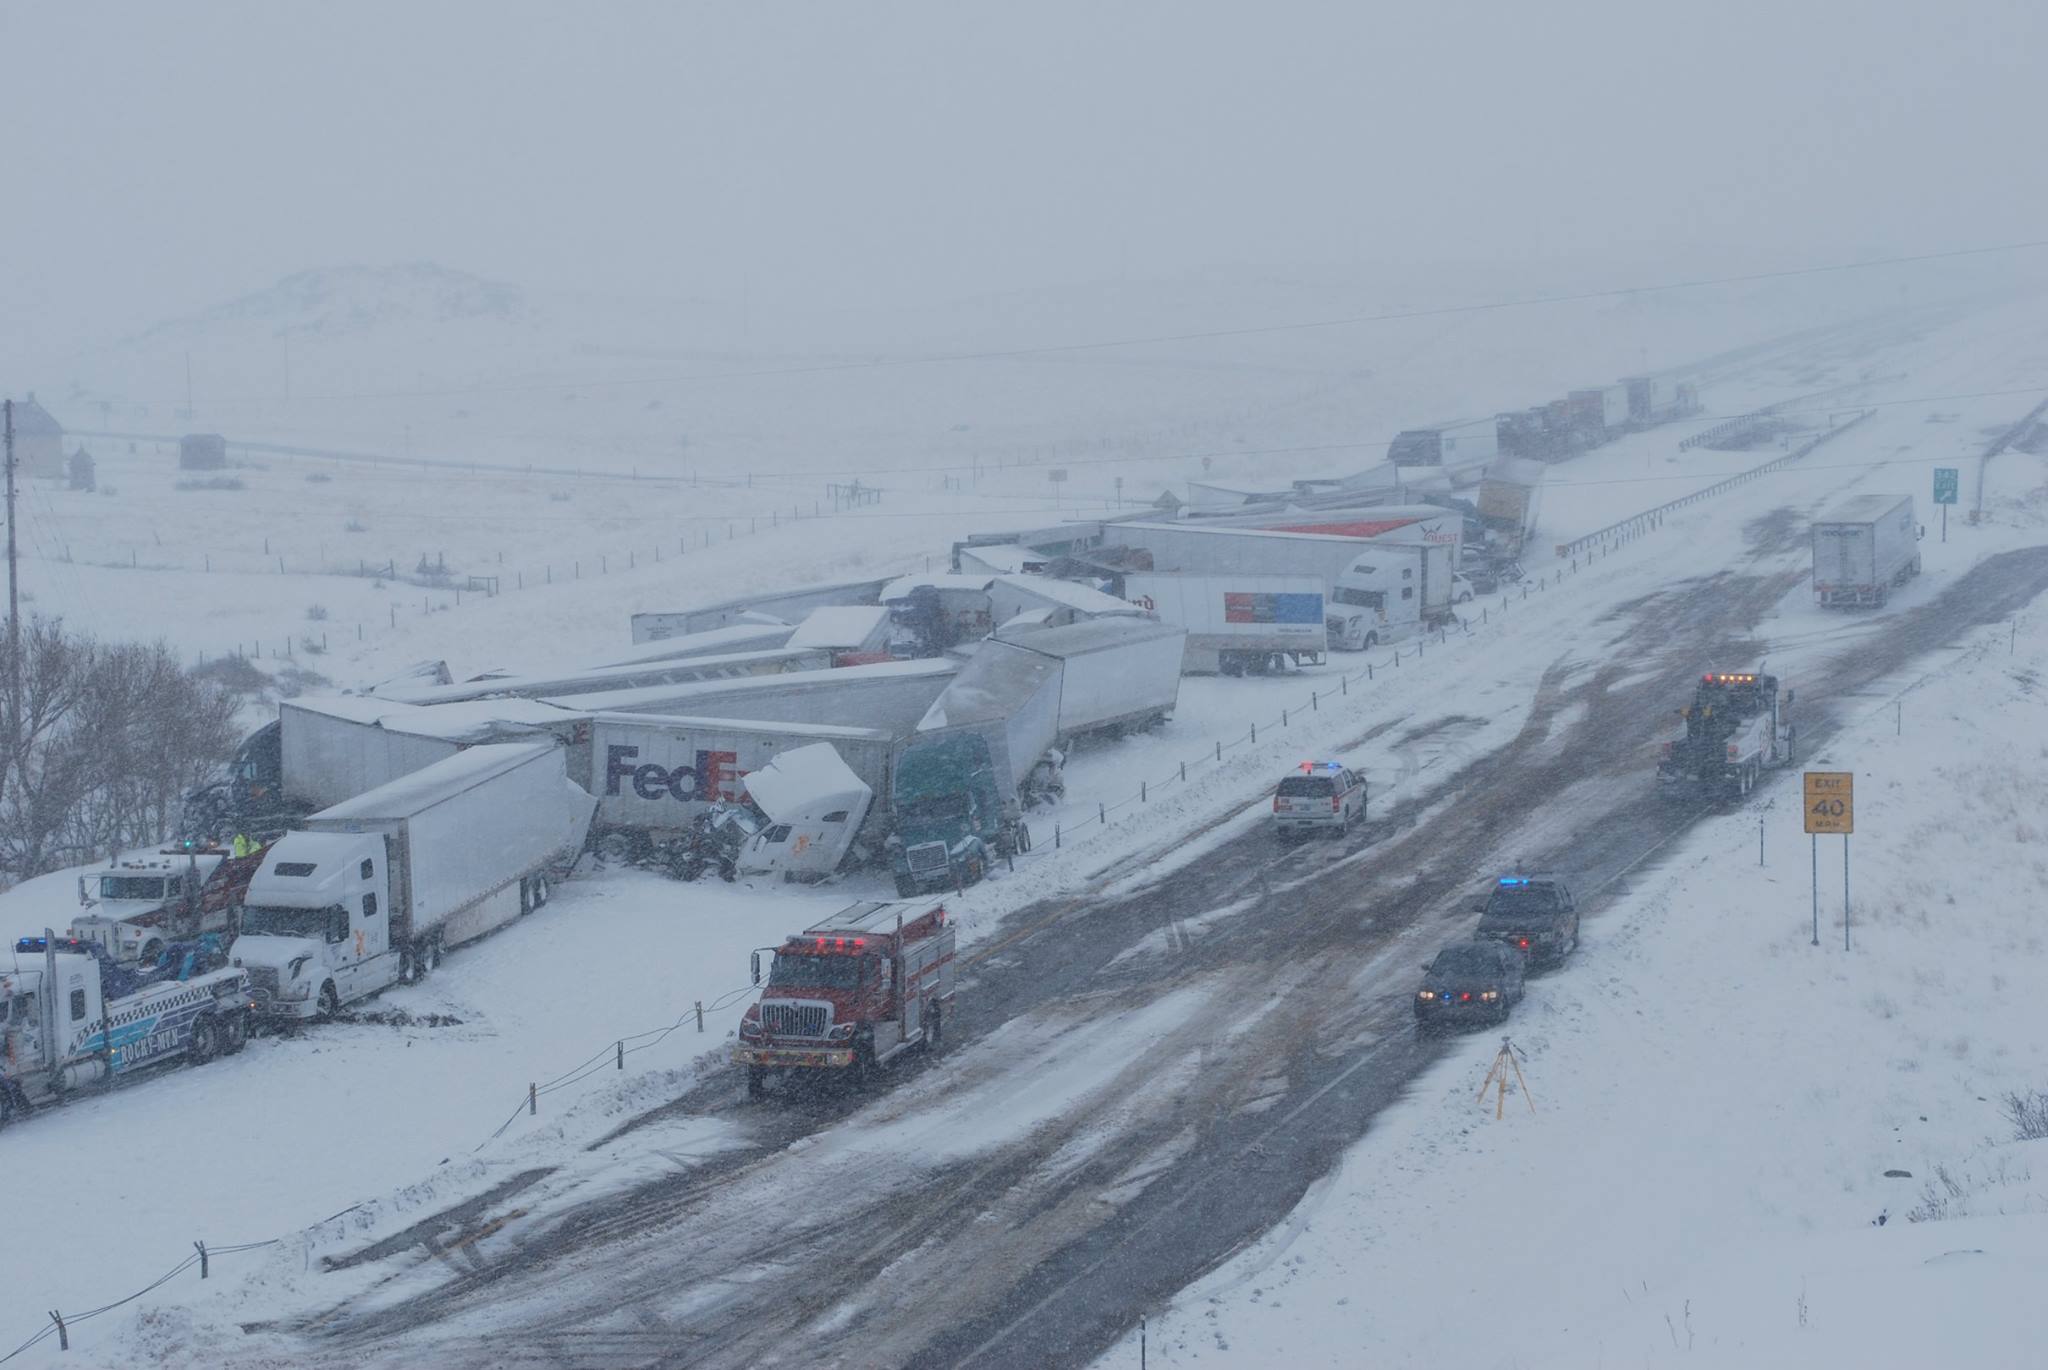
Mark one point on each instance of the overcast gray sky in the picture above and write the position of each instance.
(164, 157)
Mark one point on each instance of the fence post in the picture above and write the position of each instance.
(1314, 702)
(1101, 813)
(532, 1101)
(1183, 772)
(63, 1337)
(700, 1015)
(621, 1056)
(1144, 793)
(1055, 837)
(1219, 745)
(1343, 684)
(200, 1247)
(1283, 718)
(1255, 734)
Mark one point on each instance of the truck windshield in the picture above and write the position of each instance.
(270, 920)
(1364, 599)
(937, 807)
(815, 972)
(131, 887)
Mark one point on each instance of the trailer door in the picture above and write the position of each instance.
(1834, 555)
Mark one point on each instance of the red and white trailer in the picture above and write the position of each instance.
(852, 994)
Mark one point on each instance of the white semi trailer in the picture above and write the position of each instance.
(1237, 624)
(369, 893)
(1863, 549)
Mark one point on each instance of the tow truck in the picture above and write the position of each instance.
(140, 904)
(852, 994)
(1735, 729)
(76, 1017)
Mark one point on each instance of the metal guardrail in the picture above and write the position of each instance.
(2005, 440)
(1652, 518)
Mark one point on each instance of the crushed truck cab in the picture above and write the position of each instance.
(853, 994)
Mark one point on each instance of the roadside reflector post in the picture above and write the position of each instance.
(700, 1015)
(1255, 734)
(532, 1101)
(1101, 813)
(1283, 718)
(1845, 891)
(1055, 837)
(1315, 702)
(1219, 753)
(1183, 772)
(621, 1055)
(200, 1247)
(1816, 889)
(63, 1337)
(1144, 795)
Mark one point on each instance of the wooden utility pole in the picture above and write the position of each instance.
(13, 608)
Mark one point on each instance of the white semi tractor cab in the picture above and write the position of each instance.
(370, 892)
(73, 1018)
(1391, 592)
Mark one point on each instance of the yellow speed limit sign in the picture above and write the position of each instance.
(1830, 801)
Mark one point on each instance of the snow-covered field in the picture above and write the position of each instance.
(1637, 1059)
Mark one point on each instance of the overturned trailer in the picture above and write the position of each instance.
(598, 679)
(789, 605)
(333, 749)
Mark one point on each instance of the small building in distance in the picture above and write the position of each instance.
(83, 471)
(202, 452)
(38, 441)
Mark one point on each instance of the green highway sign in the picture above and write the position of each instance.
(1945, 485)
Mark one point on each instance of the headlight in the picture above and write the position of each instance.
(841, 1031)
(750, 1029)
(1426, 994)
(1489, 995)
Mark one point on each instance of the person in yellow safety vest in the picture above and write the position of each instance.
(243, 846)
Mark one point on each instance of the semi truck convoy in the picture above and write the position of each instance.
(851, 995)
(73, 1018)
(370, 892)
(1863, 549)
(1237, 624)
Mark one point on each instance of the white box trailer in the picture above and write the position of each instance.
(1462, 449)
(1863, 548)
(763, 635)
(596, 679)
(783, 604)
(1065, 601)
(1010, 696)
(370, 892)
(850, 634)
(658, 773)
(333, 749)
(890, 695)
(1236, 623)
(1181, 549)
(1116, 673)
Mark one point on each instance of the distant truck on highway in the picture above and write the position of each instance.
(852, 994)
(370, 892)
(1237, 625)
(141, 904)
(1390, 592)
(73, 1018)
(1863, 549)
(1736, 728)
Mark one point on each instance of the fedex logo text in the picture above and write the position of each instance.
(710, 779)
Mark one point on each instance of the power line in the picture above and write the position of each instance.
(1196, 335)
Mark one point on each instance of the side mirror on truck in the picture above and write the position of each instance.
(756, 957)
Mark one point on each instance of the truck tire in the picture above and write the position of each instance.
(430, 957)
(934, 1031)
(861, 1074)
(234, 1033)
(205, 1039)
(541, 893)
(757, 1081)
(330, 1001)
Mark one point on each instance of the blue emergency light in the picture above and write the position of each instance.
(1322, 766)
(1513, 880)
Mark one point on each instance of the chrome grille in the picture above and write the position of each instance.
(263, 980)
(795, 1020)
(926, 857)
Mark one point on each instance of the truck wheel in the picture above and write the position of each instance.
(934, 1032)
(234, 1034)
(1371, 640)
(430, 959)
(540, 890)
(757, 1081)
(205, 1039)
(330, 1001)
(906, 888)
(862, 1072)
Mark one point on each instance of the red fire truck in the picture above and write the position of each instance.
(852, 994)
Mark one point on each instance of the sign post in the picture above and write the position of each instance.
(1830, 808)
(1945, 482)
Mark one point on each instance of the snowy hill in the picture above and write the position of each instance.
(334, 301)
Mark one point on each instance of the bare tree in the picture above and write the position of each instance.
(111, 737)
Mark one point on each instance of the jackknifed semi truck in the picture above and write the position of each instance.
(1863, 549)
